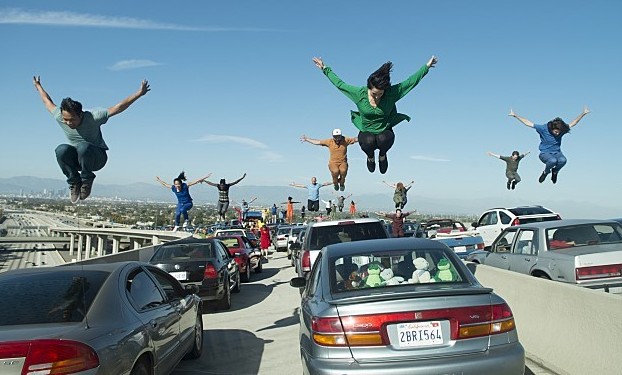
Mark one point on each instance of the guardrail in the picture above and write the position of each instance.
(563, 327)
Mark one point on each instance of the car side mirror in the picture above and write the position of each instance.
(295, 246)
(298, 282)
(474, 224)
(191, 288)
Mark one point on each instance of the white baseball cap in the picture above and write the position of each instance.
(336, 132)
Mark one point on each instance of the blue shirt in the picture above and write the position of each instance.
(88, 130)
(183, 196)
(314, 191)
(548, 141)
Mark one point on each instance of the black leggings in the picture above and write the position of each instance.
(370, 142)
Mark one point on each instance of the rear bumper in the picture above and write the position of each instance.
(208, 291)
(506, 359)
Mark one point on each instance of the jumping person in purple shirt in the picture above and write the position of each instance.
(551, 135)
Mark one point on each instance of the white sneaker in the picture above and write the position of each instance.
(176, 228)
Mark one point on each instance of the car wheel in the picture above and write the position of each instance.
(246, 277)
(142, 367)
(259, 266)
(238, 284)
(197, 345)
(225, 302)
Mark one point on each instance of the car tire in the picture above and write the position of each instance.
(141, 367)
(197, 345)
(238, 284)
(225, 302)
(259, 267)
(246, 277)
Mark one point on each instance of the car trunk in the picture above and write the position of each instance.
(186, 271)
(418, 328)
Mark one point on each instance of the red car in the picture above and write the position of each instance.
(245, 254)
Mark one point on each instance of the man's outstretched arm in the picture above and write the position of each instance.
(47, 101)
(125, 103)
(521, 119)
(576, 121)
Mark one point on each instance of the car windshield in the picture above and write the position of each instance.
(580, 235)
(327, 235)
(529, 210)
(382, 269)
(183, 252)
(49, 297)
(283, 230)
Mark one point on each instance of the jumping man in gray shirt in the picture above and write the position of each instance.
(511, 167)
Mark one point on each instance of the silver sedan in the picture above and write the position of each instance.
(402, 306)
(117, 318)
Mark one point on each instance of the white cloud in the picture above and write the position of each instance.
(428, 158)
(132, 64)
(63, 18)
(266, 154)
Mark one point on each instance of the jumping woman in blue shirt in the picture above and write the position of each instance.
(182, 191)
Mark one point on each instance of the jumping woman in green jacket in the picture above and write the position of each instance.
(377, 113)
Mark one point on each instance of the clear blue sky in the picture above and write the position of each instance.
(233, 88)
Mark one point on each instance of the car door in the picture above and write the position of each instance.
(182, 302)
(227, 267)
(500, 250)
(160, 318)
(488, 227)
(524, 253)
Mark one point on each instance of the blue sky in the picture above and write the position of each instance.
(233, 88)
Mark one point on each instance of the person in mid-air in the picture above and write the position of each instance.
(223, 195)
(551, 135)
(182, 192)
(511, 167)
(377, 113)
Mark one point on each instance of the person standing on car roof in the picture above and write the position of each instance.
(182, 191)
(377, 113)
(338, 160)
(223, 195)
(397, 221)
(551, 135)
(313, 201)
(341, 201)
(400, 195)
(511, 167)
(290, 210)
(273, 212)
(352, 208)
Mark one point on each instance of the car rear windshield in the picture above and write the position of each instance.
(183, 252)
(230, 242)
(382, 269)
(579, 235)
(49, 297)
(530, 210)
(321, 236)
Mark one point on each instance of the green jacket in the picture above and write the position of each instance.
(385, 116)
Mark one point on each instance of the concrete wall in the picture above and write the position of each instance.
(568, 329)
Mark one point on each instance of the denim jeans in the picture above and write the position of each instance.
(79, 162)
(182, 209)
(552, 160)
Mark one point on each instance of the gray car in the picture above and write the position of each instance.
(583, 252)
(402, 306)
(114, 318)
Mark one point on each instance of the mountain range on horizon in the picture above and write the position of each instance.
(268, 195)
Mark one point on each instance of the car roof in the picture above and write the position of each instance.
(329, 223)
(386, 244)
(563, 223)
(106, 267)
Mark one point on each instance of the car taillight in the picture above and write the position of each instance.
(370, 330)
(56, 357)
(210, 272)
(599, 272)
(516, 221)
(305, 261)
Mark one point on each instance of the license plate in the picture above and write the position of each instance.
(419, 334)
(181, 276)
(460, 249)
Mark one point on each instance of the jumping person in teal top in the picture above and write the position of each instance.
(377, 113)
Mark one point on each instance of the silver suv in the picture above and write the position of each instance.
(319, 235)
(494, 220)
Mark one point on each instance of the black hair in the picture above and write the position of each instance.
(222, 181)
(71, 106)
(559, 124)
(381, 78)
(289, 198)
(515, 153)
(181, 177)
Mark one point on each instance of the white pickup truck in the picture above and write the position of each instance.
(319, 235)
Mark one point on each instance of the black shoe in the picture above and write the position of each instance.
(513, 184)
(371, 165)
(554, 177)
(336, 186)
(342, 187)
(74, 192)
(508, 185)
(383, 164)
(542, 177)
(85, 189)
